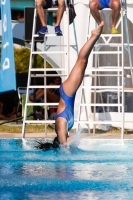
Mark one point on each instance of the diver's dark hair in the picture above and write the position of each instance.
(47, 145)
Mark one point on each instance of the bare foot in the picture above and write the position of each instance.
(98, 30)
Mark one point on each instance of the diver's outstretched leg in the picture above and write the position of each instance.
(74, 80)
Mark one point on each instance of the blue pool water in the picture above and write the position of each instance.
(97, 169)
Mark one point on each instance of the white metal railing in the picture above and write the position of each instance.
(119, 70)
(64, 70)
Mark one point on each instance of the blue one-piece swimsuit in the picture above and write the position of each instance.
(104, 4)
(68, 112)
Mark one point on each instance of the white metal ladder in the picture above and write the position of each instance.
(63, 71)
(99, 50)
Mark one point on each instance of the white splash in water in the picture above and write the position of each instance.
(26, 145)
(75, 138)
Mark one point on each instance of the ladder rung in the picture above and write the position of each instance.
(108, 35)
(39, 121)
(45, 69)
(106, 52)
(100, 69)
(47, 75)
(81, 122)
(49, 35)
(105, 90)
(52, 9)
(105, 69)
(101, 104)
(111, 35)
(49, 52)
(102, 87)
(110, 67)
(43, 86)
(42, 104)
(100, 122)
(127, 67)
(94, 75)
(110, 44)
